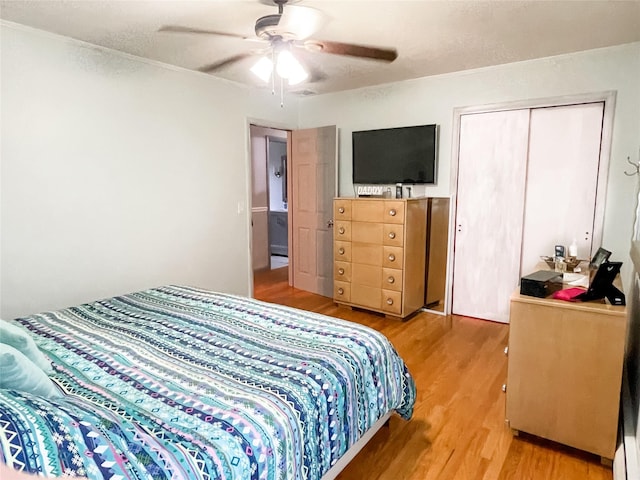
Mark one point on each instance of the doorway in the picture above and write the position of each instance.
(309, 181)
(269, 210)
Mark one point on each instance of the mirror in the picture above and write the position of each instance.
(277, 166)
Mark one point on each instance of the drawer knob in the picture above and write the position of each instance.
(392, 257)
(341, 271)
(391, 280)
(392, 235)
(341, 230)
(504, 387)
(389, 301)
(340, 291)
(392, 212)
(506, 350)
(341, 251)
(341, 210)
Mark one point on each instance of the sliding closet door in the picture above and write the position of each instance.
(562, 176)
(490, 201)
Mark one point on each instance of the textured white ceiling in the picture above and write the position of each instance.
(432, 37)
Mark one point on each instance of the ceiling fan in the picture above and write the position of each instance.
(283, 32)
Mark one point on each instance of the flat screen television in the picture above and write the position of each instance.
(396, 155)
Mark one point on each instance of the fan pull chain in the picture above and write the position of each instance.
(273, 73)
(281, 92)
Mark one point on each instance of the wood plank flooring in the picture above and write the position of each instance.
(458, 429)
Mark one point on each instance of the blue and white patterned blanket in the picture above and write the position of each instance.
(181, 383)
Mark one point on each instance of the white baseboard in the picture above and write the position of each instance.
(626, 464)
(619, 460)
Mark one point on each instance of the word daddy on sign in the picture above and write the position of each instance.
(370, 190)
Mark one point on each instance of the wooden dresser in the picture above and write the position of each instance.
(565, 371)
(379, 252)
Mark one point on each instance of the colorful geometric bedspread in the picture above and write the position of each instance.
(182, 383)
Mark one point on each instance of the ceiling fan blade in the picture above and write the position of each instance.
(301, 22)
(180, 29)
(223, 63)
(352, 50)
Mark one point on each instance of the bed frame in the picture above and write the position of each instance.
(355, 448)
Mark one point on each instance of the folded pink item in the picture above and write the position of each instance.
(568, 294)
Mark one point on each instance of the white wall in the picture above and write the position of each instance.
(432, 100)
(259, 148)
(119, 174)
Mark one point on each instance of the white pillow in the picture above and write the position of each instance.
(12, 334)
(17, 372)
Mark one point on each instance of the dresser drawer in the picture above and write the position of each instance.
(366, 232)
(342, 230)
(342, 251)
(366, 253)
(368, 275)
(342, 271)
(392, 302)
(364, 296)
(393, 211)
(342, 291)
(341, 209)
(392, 279)
(368, 211)
(393, 234)
(392, 257)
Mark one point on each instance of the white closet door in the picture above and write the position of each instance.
(490, 201)
(562, 176)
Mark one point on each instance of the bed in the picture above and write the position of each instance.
(183, 383)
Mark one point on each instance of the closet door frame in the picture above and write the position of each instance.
(609, 100)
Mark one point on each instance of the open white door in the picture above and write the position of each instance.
(313, 185)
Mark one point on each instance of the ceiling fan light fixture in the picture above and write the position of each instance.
(263, 69)
(289, 68)
(298, 75)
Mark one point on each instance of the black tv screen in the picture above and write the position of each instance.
(395, 155)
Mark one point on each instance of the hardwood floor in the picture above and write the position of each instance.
(458, 429)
